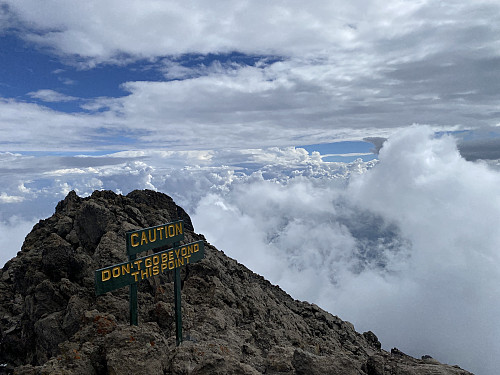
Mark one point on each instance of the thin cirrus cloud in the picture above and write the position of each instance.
(51, 96)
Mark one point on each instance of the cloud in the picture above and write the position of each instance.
(228, 107)
(271, 103)
(178, 27)
(13, 231)
(38, 182)
(378, 143)
(448, 209)
(25, 126)
(486, 149)
(408, 249)
(31, 185)
(4, 198)
(325, 71)
(51, 96)
(151, 29)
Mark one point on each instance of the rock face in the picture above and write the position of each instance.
(235, 322)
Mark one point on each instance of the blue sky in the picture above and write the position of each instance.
(227, 105)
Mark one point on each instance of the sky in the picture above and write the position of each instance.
(359, 141)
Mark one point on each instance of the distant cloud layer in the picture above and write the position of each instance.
(36, 182)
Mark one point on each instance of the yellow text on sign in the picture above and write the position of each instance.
(152, 265)
(153, 234)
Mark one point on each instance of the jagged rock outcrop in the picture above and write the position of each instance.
(235, 322)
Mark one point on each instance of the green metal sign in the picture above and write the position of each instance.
(133, 271)
(137, 269)
(154, 237)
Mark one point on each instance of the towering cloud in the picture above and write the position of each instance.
(409, 248)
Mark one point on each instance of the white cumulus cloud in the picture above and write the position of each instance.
(408, 249)
(48, 95)
(13, 231)
(313, 72)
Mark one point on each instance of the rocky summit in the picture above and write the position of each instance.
(235, 322)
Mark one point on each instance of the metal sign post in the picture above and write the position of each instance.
(177, 306)
(137, 269)
(149, 238)
(134, 321)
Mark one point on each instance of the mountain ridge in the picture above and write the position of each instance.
(234, 320)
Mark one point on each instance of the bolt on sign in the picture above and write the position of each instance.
(138, 269)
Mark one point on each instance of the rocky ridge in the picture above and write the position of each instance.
(235, 322)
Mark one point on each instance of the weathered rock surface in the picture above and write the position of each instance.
(235, 322)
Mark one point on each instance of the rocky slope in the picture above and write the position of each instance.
(235, 322)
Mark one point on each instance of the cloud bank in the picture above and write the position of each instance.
(13, 231)
(408, 249)
(250, 75)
